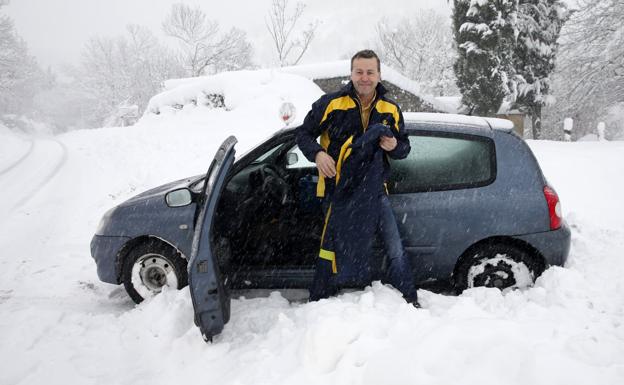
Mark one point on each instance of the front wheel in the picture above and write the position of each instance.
(149, 267)
(497, 265)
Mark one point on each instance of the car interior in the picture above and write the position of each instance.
(268, 216)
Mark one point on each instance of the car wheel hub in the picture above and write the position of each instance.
(151, 272)
(502, 272)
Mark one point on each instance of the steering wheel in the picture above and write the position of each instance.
(273, 184)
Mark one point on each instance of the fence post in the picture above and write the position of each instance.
(601, 131)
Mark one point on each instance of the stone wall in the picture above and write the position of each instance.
(408, 101)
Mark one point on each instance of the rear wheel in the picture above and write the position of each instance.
(497, 265)
(149, 267)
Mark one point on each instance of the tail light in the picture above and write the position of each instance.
(554, 207)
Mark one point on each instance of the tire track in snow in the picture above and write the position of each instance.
(31, 173)
(31, 145)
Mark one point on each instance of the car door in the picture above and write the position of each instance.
(207, 283)
(437, 194)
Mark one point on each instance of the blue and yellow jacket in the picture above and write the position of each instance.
(337, 119)
(353, 215)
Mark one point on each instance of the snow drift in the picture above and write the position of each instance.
(61, 325)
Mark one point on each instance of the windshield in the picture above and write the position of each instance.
(244, 154)
(197, 185)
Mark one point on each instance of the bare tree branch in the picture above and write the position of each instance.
(203, 48)
(420, 48)
(281, 26)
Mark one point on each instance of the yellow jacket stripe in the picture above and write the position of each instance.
(345, 151)
(384, 107)
(341, 103)
(320, 185)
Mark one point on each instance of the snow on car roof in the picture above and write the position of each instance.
(478, 121)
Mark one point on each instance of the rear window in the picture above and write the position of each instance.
(444, 162)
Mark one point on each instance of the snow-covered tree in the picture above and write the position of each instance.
(421, 48)
(281, 25)
(589, 78)
(20, 75)
(539, 25)
(203, 49)
(485, 34)
(124, 71)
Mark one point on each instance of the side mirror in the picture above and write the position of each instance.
(292, 158)
(178, 198)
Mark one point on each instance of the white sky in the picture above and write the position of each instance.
(56, 30)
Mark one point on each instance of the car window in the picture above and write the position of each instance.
(302, 161)
(444, 162)
(267, 154)
(242, 175)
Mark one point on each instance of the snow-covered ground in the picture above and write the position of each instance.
(60, 325)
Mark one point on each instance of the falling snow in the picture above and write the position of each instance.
(61, 325)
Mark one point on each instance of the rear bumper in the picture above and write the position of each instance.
(553, 245)
(104, 251)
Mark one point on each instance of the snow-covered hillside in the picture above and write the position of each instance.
(60, 325)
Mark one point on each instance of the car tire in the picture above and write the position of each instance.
(498, 265)
(150, 266)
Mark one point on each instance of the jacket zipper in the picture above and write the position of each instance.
(370, 112)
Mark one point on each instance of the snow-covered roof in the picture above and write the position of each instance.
(342, 68)
(453, 104)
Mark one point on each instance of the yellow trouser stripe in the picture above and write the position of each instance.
(330, 256)
(325, 225)
(320, 187)
(326, 254)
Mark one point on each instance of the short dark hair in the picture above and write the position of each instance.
(366, 54)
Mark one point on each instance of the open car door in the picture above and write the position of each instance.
(209, 292)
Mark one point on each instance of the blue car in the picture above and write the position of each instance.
(471, 202)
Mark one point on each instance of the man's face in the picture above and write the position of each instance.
(365, 76)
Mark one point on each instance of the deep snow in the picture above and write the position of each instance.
(60, 325)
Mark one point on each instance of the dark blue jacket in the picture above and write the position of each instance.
(336, 117)
(353, 215)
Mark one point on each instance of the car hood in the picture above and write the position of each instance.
(161, 190)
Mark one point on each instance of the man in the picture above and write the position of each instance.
(355, 209)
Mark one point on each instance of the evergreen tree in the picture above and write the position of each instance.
(539, 25)
(485, 33)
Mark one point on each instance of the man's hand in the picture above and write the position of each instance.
(325, 164)
(388, 143)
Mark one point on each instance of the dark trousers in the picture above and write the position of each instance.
(399, 270)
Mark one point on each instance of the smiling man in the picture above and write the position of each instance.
(356, 203)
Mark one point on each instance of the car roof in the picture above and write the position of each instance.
(457, 123)
(443, 122)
